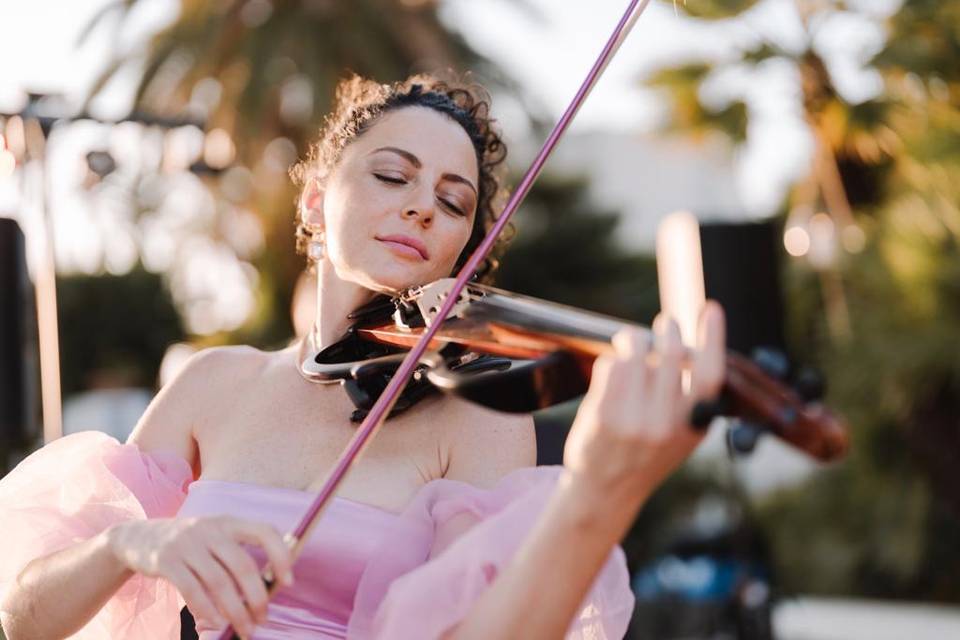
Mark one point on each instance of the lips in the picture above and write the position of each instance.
(406, 243)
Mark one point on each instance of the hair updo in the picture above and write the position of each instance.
(360, 102)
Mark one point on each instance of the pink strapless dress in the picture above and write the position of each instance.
(365, 573)
(331, 563)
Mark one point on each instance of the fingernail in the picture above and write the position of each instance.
(288, 578)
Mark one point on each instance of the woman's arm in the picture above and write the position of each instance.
(630, 433)
(57, 594)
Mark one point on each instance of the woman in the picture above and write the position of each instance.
(443, 529)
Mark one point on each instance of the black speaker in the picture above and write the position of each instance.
(18, 346)
(741, 270)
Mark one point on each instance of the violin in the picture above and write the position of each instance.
(516, 353)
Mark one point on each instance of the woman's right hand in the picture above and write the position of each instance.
(205, 560)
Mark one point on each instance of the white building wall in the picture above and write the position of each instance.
(646, 177)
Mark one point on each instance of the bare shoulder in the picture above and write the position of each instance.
(208, 377)
(484, 445)
(237, 354)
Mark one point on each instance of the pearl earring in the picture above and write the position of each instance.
(315, 249)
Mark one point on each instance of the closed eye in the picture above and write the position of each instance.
(389, 179)
(449, 205)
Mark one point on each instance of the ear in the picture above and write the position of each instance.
(311, 203)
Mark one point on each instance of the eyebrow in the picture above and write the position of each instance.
(415, 161)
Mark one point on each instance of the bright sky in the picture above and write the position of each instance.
(547, 49)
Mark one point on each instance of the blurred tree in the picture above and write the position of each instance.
(566, 251)
(886, 170)
(116, 324)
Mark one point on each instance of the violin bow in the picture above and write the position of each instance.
(378, 413)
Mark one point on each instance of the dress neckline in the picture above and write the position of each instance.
(299, 493)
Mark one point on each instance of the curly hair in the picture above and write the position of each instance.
(360, 102)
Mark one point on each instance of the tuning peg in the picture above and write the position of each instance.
(774, 362)
(705, 411)
(742, 438)
(810, 384)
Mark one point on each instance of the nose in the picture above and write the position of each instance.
(420, 210)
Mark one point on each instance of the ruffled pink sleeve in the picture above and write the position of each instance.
(408, 591)
(76, 487)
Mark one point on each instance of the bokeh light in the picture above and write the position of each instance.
(823, 241)
(219, 150)
(853, 238)
(796, 241)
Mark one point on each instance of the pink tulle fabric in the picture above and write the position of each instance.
(409, 592)
(405, 586)
(76, 487)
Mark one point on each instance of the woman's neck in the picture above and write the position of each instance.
(336, 299)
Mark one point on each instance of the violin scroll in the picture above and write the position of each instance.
(767, 405)
(758, 401)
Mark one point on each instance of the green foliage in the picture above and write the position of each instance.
(688, 114)
(762, 52)
(712, 9)
(896, 376)
(115, 325)
(925, 37)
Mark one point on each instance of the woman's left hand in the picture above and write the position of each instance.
(633, 428)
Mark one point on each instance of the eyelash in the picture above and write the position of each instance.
(388, 179)
(399, 181)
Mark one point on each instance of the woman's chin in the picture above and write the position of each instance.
(393, 282)
(389, 276)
